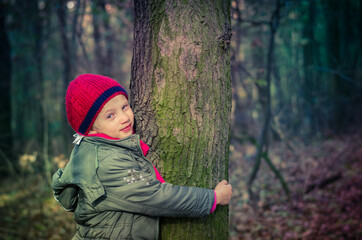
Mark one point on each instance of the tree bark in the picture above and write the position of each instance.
(181, 97)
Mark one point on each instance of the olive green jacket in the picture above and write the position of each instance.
(112, 189)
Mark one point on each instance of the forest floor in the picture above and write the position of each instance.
(324, 178)
(325, 181)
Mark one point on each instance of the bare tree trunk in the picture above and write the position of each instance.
(336, 85)
(5, 83)
(240, 122)
(103, 49)
(263, 141)
(67, 66)
(181, 96)
(309, 63)
(27, 110)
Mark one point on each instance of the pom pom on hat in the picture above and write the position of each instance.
(86, 95)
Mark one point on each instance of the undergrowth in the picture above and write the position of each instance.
(28, 210)
(324, 177)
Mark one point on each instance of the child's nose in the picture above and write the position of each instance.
(124, 118)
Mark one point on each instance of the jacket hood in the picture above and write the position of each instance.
(78, 174)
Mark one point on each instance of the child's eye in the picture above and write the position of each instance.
(125, 107)
(110, 115)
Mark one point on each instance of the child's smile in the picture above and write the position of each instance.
(127, 129)
(116, 119)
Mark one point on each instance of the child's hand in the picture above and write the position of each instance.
(223, 192)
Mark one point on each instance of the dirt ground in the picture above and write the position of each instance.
(325, 181)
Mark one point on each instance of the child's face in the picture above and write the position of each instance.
(115, 119)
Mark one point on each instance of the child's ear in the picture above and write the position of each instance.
(92, 131)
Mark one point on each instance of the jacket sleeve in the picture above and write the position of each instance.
(65, 194)
(137, 190)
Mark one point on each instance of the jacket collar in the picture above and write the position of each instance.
(132, 142)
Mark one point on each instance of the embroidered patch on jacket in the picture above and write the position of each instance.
(134, 176)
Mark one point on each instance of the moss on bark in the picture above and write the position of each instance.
(186, 117)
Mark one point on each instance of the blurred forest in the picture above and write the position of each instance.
(296, 146)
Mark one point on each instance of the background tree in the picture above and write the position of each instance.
(264, 92)
(5, 86)
(26, 31)
(181, 96)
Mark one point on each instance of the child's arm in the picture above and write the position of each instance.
(156, 199)
(65, 193)
(134, 188)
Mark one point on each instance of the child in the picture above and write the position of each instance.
(113, 190)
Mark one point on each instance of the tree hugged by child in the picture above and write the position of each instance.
(113, 189)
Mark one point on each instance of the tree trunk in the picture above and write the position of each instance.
(263, 138)
(334, 81)
(5, 83)
(26, 109)
(181, 96)
(102, 44)
(67, 67)
(309, 64)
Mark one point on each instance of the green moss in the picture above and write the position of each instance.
(183, 144)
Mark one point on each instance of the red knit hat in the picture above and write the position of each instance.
(86, 95)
